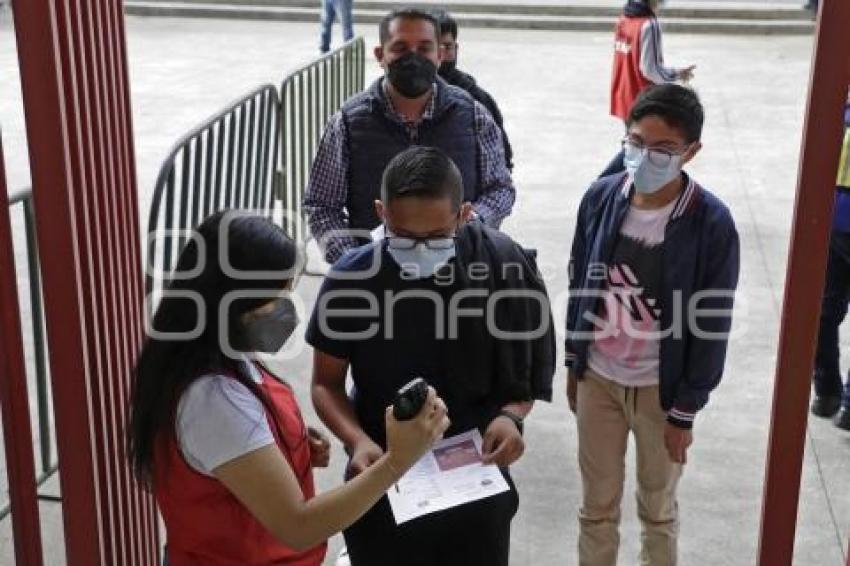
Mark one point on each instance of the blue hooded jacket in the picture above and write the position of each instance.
(700, 268)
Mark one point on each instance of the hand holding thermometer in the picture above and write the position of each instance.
(410, 399)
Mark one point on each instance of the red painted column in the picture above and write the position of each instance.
(14, 400)
(76, 99)
(804, 282)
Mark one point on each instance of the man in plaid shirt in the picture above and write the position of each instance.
(409, 106)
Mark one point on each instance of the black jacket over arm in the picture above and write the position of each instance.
(518, 367)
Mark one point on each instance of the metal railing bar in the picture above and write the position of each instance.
(197, 164)
(218, 128)
(185, 170)
(240, 159)
(39, 340)
(208, 173)
(39, 481)
(168, 246)
(249, 154)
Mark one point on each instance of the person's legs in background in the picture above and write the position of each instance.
(811, 6)
(828, 387)
(841, 245)
(328, 17)
(344, 8)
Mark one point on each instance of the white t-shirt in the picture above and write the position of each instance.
(219, 419)
(626, 347)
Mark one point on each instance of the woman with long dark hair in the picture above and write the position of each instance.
(217, 436)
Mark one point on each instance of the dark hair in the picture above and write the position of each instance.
(677, 105)
(167, 367)
(422, 172)
(447, 23)
(406, 14)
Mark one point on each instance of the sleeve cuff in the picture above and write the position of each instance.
(680, 418)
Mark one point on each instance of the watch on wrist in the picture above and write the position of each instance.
(517, 420)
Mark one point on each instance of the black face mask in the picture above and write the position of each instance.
(447, 68)
(269, 332)
(412, 74)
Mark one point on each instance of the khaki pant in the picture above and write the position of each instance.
(606, 413)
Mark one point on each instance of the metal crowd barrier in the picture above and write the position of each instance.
(257, 150)
(48, 465)
(309, 97)
(228, 162)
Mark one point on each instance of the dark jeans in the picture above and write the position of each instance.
(477, 533)
(331, 10)
(836, 296)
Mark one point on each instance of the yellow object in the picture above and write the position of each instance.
(844, 164)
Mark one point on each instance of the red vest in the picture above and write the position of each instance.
(206, 524)
(627, 81)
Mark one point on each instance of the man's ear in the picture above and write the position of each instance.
(691, 153)
(380, 210)
(379, 55)
(466, 212)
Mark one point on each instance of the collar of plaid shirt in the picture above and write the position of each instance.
(391, 110)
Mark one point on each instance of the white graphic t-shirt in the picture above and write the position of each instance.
(626, 344)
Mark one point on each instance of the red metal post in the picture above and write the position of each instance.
(804, 282)
(76, 100)
(14, 400)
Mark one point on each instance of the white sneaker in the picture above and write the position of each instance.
(343, 559)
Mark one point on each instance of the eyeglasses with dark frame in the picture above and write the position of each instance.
(658, 156)
(433, 243)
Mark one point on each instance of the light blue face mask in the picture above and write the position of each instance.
(420, 261)
(647, 176)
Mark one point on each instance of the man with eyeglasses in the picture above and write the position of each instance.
(458, 304)
(410, 105)
(451, 74)
(653, 271)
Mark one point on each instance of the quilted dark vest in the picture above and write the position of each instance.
(375, 138)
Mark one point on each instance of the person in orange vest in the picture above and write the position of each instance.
(218, 437)
(832, 398)
(638, 63)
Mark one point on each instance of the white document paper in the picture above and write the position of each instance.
(450, 474)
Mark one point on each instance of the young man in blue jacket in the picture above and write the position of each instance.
(653, 272)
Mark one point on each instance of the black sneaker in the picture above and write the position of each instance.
(825, 407)
(842, 419)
